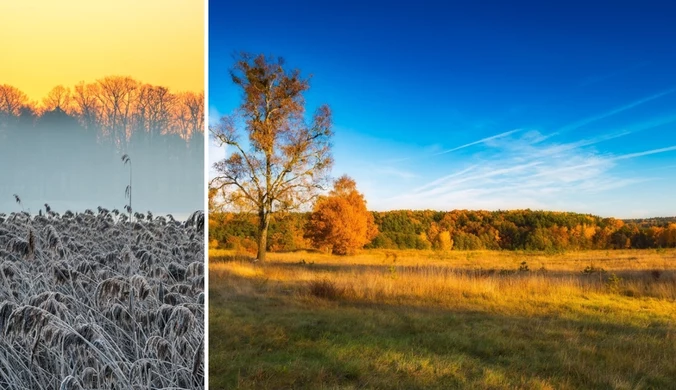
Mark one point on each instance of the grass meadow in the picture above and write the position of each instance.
(425, 320)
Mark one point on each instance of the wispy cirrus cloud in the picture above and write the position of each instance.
(527, 168)
(645, 153)
(607, 114)
(535, 137)
(615, 111)
(467, 145)
(521, 171)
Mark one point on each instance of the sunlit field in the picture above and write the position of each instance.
(417, 319)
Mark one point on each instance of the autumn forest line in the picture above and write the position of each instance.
(285, 167)
(67, 147)
(458, 230)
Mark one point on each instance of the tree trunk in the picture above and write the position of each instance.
(264, 222)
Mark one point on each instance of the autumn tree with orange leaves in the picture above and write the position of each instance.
(282, 161)
(340, 221)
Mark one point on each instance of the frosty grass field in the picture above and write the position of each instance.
(94, 301)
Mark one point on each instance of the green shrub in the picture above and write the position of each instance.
(613, 283)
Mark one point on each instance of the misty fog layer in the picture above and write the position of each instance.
(72, 159)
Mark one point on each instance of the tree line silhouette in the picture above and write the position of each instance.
(68, 147)
(462, 230)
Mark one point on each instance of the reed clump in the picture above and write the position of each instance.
(82, 306)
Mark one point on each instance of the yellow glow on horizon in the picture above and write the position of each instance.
(46, 43)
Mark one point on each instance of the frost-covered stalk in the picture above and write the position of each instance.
(31, 237)
(127, 193)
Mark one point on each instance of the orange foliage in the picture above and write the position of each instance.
(341, 221)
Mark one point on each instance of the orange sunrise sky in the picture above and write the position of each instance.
(46, 43)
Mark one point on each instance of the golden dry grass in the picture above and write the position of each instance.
(441, 279)
(611, 260)
(573, 318)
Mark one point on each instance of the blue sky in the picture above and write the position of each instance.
(478, 105)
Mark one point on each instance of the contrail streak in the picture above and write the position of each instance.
(501, 135)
